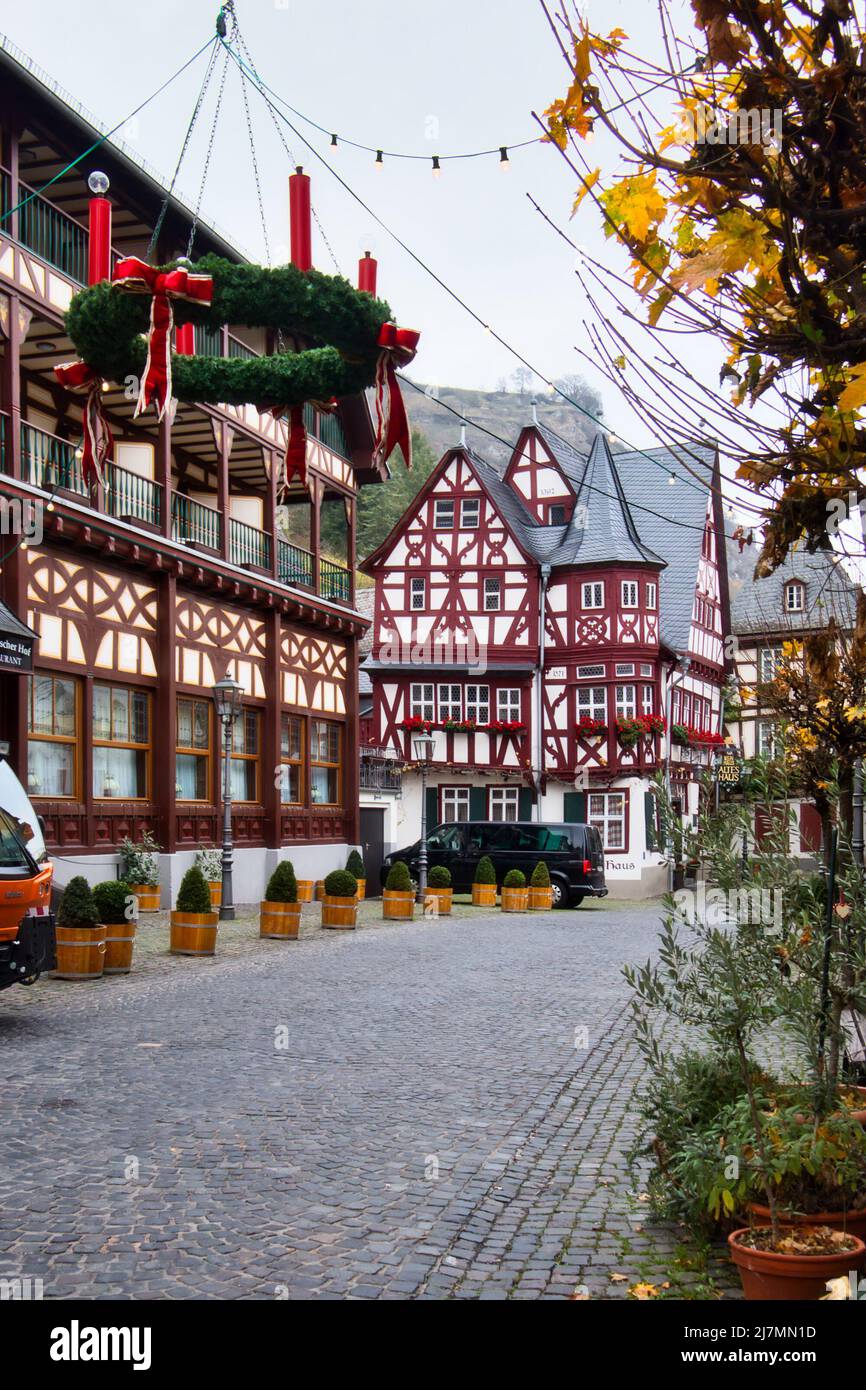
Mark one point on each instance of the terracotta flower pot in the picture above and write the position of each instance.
(540, 899)
(515, 899)
(852, 1221)
(484, 894)
(280, 921)
(340, 914)
(398, 904)
(215, 888)
(767, 1275)
(305, 890)
(148, 896)
(193, 933)
(443, 898)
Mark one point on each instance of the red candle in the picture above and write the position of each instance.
(184, 339)
(367, 270)
(99, 246)
(299, 216)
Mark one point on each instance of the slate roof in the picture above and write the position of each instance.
(11, 625)
(758, 605)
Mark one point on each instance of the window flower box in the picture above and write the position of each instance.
(460, 726)
(416, 725)
(505, 726)
(586, 725)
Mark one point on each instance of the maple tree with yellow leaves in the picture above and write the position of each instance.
(743, 216)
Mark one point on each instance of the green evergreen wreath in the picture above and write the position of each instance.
(106, 325)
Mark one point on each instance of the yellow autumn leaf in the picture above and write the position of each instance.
(642, 1292)
(585, 186)
(854, 394)
(633, 205)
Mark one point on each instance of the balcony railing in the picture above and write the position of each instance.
(49, 462)
(46, 230)
(130, 497)
(335, 581)
(295, 566)
(249, 545)
(195, 522)
(380, 776)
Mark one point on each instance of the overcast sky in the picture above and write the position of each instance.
(423, 77)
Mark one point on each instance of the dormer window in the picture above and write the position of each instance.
(794, 597)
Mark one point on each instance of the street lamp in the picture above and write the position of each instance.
(227, 698)
(422, 746)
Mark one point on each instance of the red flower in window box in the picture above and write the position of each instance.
(459, 726)
(415, 724)
(505, 726)
(587, 725)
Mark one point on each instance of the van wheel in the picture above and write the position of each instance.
(560, 892)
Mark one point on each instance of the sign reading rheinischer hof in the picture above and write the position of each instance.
(16, 643)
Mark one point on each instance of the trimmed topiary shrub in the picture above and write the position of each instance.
(355, 865)
(439, 877)
(112, 899)
(514, 879)
(282, 884)
(341, 884)
(193, 895)
(77, 908)
(399, 879)
(485, 873)
(540, 876)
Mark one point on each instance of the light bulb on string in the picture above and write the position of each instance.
(437, 172)
(380, 162)
(504, 161)
(333, 142)
(672, 477)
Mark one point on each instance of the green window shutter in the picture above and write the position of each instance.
(432, 807)
(524, 803)
(574, 809)
(478, 803)
(649, 808)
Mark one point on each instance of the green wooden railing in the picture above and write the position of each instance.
(208, 341)
(45, 230)
(335, 581)
(130, 496)
(194, 521)
(295, 565)
(50, 462)
(239, 349)
(249, 545)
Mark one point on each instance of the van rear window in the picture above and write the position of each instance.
(550, 838)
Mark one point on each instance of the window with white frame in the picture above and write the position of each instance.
(607, 814)
(443, 513)
(770, 660)
(592, 595)
(502, 803)
(421, 702)
(587, 672)
(629, 593)
(492, 595)
(651, 595)
(418, 593)
(766, 738)
(508, 705)
(646, 668)
(794, 597)
(450, 702)
(454, 803)
(687, 708)
(647, 699)
(592, 701)
(676, 706)
(478, 703)
(470, 513)
(626, 704)
(624, 668)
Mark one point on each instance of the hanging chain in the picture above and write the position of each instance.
(255, 166)
(207, 158)
(211, 63)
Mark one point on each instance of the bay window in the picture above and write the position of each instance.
(626, 708)
(121, 742)
(592, 702)
(193, 750)
(291, 760)
(52, 736)
(326, 745)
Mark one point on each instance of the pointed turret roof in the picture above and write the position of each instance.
(602, 528)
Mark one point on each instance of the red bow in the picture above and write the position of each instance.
(137, 277)
(399, 346)
(98, 439)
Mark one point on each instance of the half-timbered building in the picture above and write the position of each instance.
(552, 624)
(174, 572)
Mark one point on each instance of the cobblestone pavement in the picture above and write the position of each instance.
(397, 1112)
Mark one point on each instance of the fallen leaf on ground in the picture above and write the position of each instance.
(643, 1291)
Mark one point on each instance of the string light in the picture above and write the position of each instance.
(672, 477)
(504, 161)
(437, 172)
(380, 163)
(333, 142)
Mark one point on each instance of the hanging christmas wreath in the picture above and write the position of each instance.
(122, 329)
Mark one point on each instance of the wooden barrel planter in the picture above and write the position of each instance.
(339, 913)
(215, 888)
(320, 890)
(484, 894)
(540, 899)
(305, 890)
(444, 898)
(119, 946)
(193, 933)
(148, 896)
(515, 899)
(280, 921)
(362, 889)
(80, 953)
(398, 905)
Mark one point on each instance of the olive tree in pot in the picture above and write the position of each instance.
(340, 901)
(540, 889)
(439, 891)
(280, 913)
(355, 866)
(80, 934)
(484, 885)
(193, 922)
(117, 907)
(398, 895)
(210, 861)
(139, 867)
(515, 894)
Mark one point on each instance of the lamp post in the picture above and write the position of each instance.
(422, 746)
(227, 698)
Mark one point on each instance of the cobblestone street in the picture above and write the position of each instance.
(398, 1112)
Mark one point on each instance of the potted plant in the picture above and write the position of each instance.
(355, 866)
(210, 861)
(80, 935)
(540, 890)
(280, 912)
(484, 885)
(340, 901)
(117, 909)
(139, 864)
(193, 922)
(398, 895)
(439, 889)
(306, 889)
(515, 894)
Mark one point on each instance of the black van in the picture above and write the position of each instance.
(572, 853)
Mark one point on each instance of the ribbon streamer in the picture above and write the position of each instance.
(98, 439)
(399, 346)
(137, 277)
